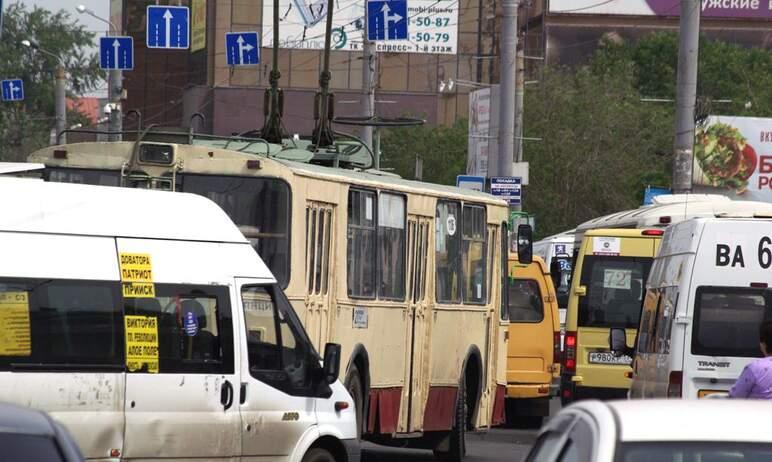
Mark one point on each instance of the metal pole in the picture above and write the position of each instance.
(686, 94)
(519, 91)
(115, 120)
(368, 86)
(377, 148)
(60, 101)
(507, 88)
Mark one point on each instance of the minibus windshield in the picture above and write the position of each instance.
(261, 209)
(615, 288)
(726, 321)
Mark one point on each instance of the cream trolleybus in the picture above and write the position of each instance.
(405, 275)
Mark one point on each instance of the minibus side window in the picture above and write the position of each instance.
(60, 323)
(448, 252)
(194, 328)
(279, 352)
(474, 240)
(648, 318)
(665, 322)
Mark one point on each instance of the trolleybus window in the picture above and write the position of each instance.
(361, 244)
(261, 209)
(614, 291)
(391, 246)
(83, 176)
(726, 321)
(474, 237)
(448, 252)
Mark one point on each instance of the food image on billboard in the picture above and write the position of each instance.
(734, 155)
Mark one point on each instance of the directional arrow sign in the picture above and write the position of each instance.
(13, 90)
(387, 20)
(116, 53)
(168, 27)
(242, 48)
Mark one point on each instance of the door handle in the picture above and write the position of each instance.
(243, 393)
(226, 395)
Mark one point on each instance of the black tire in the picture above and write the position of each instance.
(356, 390)
(318, 455)
(457, 449)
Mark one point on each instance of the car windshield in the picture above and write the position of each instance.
(657, 451)
(614, 291)
(726, 321)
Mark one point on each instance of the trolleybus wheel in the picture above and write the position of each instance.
(457, 446)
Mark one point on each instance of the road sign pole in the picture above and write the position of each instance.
(115, 120)
(60, 98)
(507, 90)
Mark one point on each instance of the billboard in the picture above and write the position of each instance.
(479, 132)
(758, 9)
(432, 26)
(733, 156)
(198, 25)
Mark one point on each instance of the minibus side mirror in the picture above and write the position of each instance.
(331, 363)
(524, 244)
(618, 342)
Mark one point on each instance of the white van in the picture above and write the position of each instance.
(557, 251)
(146, 324)
(706, 298)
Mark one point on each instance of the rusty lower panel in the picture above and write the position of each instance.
(383, 415)
(498, 417)
(440, 407)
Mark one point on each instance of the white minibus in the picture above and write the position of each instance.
(707, 294)
(145, 322)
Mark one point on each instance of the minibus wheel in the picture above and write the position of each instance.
(318, 455)
(354, 387)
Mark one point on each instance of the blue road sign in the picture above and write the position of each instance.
(116, 53)
(387, 20)
(652, 191)
(508, 188)
(476, 183)
(242, 48)
(168, 27)
(13, 90)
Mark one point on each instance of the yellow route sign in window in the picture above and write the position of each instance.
(141, 343)
(137, 275)
(15, 339)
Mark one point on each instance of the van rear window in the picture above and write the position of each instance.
(525, 303)
(726, 321)
(615, 288)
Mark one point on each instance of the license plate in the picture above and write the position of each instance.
(604, 357)
(704, 393)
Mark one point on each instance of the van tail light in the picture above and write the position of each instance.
(652, 232)
(556, 347)
(675, 384)
(569, 355)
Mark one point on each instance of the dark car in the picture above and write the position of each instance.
(30, 435)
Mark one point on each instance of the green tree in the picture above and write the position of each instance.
(443, 150)
(25, 126)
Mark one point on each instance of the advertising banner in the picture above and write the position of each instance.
(758, 9)
(479, 132)
(432, 26)
(198, 25)
(733, 156)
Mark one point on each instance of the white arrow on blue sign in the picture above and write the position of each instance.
(13, 90)
(242, 48)
(387, 20)
(168, 27)
(116, 53)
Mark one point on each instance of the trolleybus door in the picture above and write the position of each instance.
(417, 389)
(319, 228)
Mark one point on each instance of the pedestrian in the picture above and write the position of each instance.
(755, 382)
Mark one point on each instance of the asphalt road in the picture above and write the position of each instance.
(500, 444)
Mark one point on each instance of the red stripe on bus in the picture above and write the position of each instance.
(440, 407)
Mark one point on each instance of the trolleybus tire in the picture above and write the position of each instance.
(354, 387)
(457, 446)
(318, 455)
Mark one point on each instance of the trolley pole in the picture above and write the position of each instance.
(507, 90)
(686, 94)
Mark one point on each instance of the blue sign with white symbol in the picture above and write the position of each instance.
(13, 90)
(560, 249)
(476, 183)
(190, 324)
(387, 20)
(242, 48)
(116, 53)
(508, 188)
(651, 192)
(168, 27)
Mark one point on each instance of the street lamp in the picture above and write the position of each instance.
(59, 86)
(115, 80)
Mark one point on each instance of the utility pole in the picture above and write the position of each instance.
(60, 98)
(519, 93)
(686, 94)
(369, 63)
(507, 90)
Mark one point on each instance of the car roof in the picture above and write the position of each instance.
(32, 205)
(22, 420)
(722, 420)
